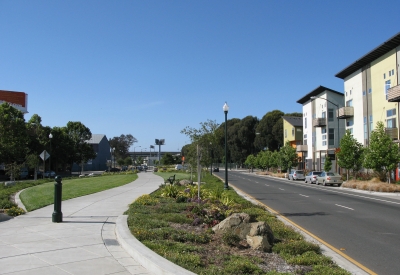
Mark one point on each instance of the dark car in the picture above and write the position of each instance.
(216, 169)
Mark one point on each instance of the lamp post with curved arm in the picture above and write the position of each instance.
(338, 129)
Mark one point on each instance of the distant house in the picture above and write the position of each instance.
(293, 132)
(101, 146)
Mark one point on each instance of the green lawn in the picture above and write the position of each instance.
(43, 195)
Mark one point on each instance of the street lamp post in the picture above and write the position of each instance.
(338, 129)
(50, 137)
(226, 109)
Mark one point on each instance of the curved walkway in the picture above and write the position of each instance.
(84, 243)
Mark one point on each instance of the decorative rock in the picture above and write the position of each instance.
(258, 243)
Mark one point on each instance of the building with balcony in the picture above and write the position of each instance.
(371, 85)
(293, 133)
(322, 128)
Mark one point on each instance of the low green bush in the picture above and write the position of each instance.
(294, 248)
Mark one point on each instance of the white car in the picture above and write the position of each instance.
(180, 167)
(296, 175)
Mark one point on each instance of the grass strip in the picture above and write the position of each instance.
(43, 195)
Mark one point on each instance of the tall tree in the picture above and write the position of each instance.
(267, 135)
(351, 153)
(79, 134)
(122, 145)
(13, 136)
(382, 155)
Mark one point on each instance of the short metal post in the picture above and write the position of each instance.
(57, 214)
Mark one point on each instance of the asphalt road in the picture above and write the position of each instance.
(365, 227)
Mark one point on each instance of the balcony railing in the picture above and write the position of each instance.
(394, 94)
(392, 132)
(345, 112)
(319, 122)
(301, 148)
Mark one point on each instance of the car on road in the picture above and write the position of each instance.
(49, 174)
(296, 175)
(312, 176)
(329, 178)
(216, 169)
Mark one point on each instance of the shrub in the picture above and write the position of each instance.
(295, 247)
(308, 258)
(170, 191)
(230, 238)
(146, 200)
(241, 266)
(15, 211)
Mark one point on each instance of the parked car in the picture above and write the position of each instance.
(296, 175)
(312, 176)
(49, 174)
(180, 167)
(329, 178)
(216, 169)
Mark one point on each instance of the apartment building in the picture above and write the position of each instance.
(293, 132)
(322, 128)
(372, 92)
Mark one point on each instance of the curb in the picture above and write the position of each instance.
(146, 257)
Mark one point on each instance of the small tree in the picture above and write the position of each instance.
(351, 153)
(382, 155)
(289, 156)
(250, 162)
(328, 164)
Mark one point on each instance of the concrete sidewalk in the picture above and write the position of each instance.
(84, 243)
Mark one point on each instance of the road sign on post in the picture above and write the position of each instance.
(44, 155)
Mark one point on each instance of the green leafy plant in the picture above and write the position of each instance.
(15, 211)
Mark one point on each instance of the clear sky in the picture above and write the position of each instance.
(151, 68)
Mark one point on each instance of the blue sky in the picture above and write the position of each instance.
(151, 68)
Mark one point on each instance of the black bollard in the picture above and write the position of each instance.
(57, 214)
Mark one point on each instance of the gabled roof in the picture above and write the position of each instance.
(316, 92)
(382, 49)
(294, 120)
(96, 139)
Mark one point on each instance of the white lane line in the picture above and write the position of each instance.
(304, 195)
(281, 189)
(344, 206)
(257, 182)
(266, 185)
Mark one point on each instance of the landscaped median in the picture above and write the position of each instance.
(177, 225)
(38, 194)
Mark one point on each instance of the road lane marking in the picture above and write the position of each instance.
(344, 206)
(281, 189)
(304, 195)
(266, 185)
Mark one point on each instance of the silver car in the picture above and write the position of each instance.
(312, 176)
(329, 178)
(296, 175)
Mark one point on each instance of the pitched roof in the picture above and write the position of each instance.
(294, 120)
(382, 49)
(316, 92)
(96, 139)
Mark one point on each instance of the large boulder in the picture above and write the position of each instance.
(257, 234)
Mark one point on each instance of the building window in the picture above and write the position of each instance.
(365, 128)
(324, 143)
(349, 122)
(351, 130)
(305, 123)
(384, 76)
(349, 103)
(391, 123)
(285, 133)
(330, 114)
(323, 130)
(305, 136)
(364, 93)
(392, 71)
(324, 137)
(324, 114)
(292, 131)
(369, 90)
(331, 136)
(371, 124)
(391, 112)
(387, 87)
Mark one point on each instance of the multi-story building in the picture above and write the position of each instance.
(322, 128)
(372, 92)
(293, 132)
